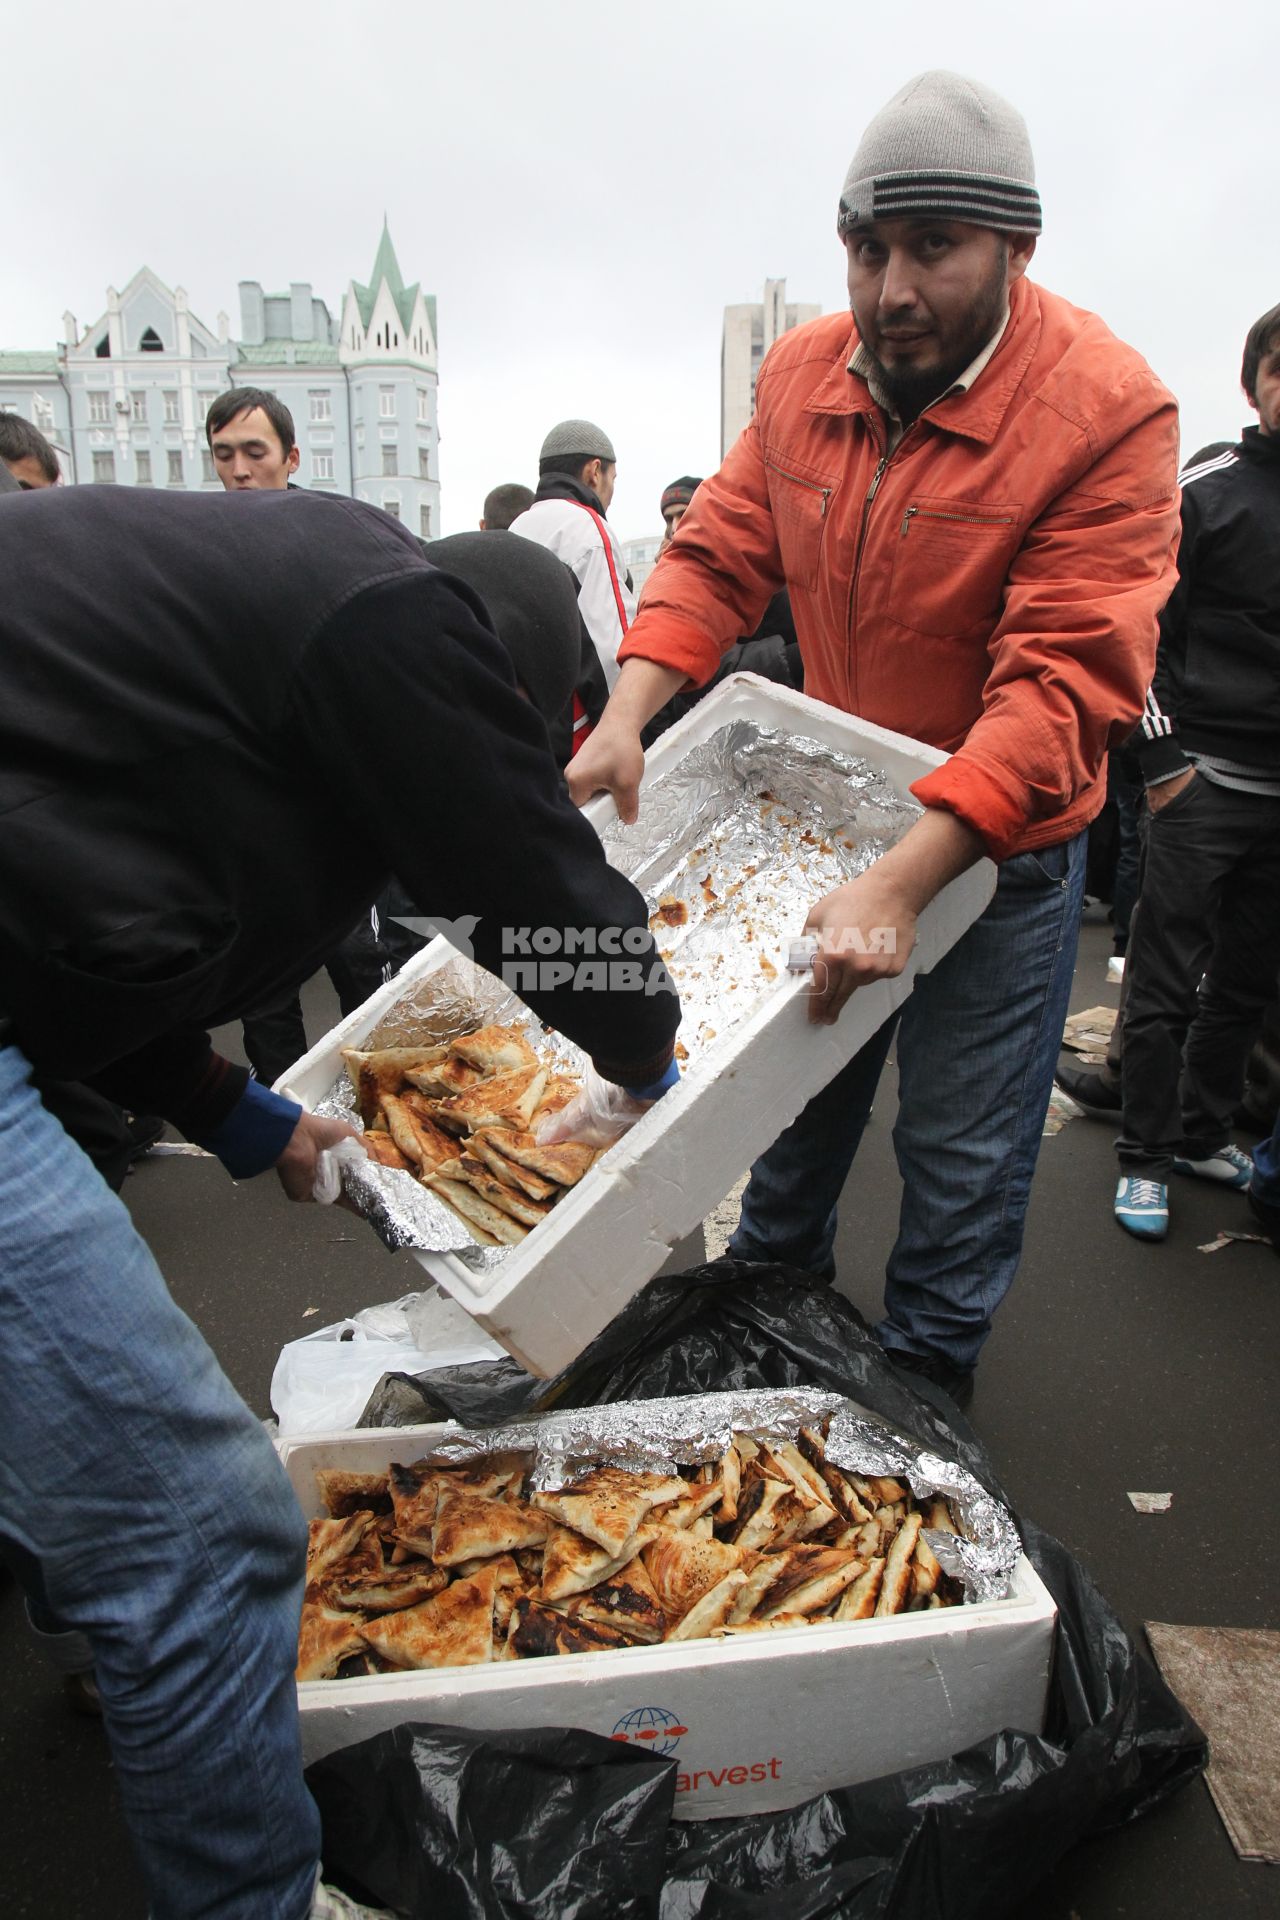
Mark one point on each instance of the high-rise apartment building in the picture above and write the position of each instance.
(749, 332)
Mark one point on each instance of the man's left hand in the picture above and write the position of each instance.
(866, 931)
(296, 1166)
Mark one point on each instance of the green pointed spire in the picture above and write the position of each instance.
(386, 267)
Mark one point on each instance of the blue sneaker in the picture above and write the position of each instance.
(1230, 1166)
(1142, 1207)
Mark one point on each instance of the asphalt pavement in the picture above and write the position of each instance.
(1114, 1366)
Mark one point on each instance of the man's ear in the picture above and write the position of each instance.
(292, 458)
(1021, 248)
(592, 474)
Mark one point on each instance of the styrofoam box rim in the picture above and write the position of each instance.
(547, 1332)
(373, 1450)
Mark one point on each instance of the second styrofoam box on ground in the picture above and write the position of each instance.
(754, 1723)
(607, 1237)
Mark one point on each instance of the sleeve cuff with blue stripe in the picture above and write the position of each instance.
(255, 1133)
(656, 1088)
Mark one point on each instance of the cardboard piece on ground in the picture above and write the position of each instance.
(1226, 1240)
(1088, 1032)
(1151, 1502)
(756, 1723)
(1229, 1678)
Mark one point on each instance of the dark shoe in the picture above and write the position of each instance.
(143, 1129)
(955, 1382)
(82, 1694)
(1267, 1217)
(1090, 1092)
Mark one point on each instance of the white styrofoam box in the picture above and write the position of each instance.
(607, 1237)
(754, 1723)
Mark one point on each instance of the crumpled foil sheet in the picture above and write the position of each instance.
(734, 844)
(659, 1435)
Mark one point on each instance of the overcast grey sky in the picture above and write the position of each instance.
(585, 187)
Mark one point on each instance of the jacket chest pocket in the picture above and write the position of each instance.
(950, 565)
(799, 500)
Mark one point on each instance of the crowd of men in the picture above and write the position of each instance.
(955, 514)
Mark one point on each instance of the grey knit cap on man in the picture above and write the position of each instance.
(577, 437)
(947, 147)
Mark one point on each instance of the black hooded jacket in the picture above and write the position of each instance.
(224, 722)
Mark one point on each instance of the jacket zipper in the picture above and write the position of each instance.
(810, 485)
(872, 491)
(966, 519)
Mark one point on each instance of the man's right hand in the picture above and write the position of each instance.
(611, 761)
(1158, 797)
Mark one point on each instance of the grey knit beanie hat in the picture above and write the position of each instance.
(946, 146)
(577, 436)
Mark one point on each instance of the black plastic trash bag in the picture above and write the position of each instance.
(439, 1825)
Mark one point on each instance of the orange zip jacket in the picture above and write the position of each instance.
(991, 588)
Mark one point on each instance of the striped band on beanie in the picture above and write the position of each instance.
(949, 147)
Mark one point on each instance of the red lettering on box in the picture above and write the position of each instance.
(737, 1776)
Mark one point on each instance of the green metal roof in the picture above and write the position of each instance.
(387, 267)
(30, 363)
(288, 353)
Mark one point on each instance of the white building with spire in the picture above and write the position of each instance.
(124, 400)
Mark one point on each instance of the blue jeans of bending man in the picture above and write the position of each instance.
(137, 1482)
(978, 1042)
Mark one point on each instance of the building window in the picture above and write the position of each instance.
(142, 467)
(104, 467)
(391, 505)
(42, 414)
(424, 405)
(151, 342)
(321, 408)
(205, 401)
(386, 403)
(424, 463)
(207, 471)
(172, 410)
(389, 458)
(100, 408)
(425, 522)
(176, 476)
(322, 466)
(139, 400)
(103, 349)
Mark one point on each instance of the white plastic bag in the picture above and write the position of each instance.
(322, 1382)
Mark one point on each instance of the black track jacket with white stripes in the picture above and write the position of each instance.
(1217, 681)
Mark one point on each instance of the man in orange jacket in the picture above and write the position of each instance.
(970, 495)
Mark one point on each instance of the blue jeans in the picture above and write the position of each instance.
(978, 1042)
(1266, 1168)
(143, 1505)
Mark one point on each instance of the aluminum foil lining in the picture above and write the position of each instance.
(659, 1435)
(732, 847)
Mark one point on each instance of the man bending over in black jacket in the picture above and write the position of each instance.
(224, 724)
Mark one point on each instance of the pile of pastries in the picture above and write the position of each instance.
(462, 1118)
(442, 1566)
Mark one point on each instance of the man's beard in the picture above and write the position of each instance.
(909, 390)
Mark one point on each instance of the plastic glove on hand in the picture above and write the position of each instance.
(603, 1112)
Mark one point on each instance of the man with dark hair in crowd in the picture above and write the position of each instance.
(251, 436)
(1205, 945)
(27, 454)
(969, 487)
(504, 504)
(223, 724)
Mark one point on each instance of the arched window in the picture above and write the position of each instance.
(151, 342)
(103, 348)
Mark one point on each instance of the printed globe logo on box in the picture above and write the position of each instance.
(655, 1727)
